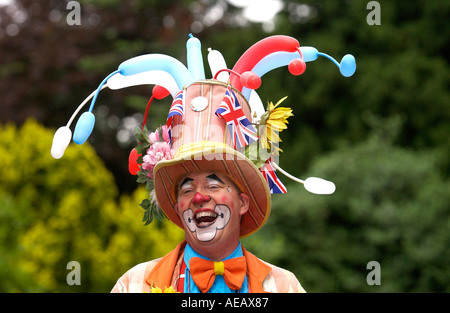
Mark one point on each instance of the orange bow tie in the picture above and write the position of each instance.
(204, 272)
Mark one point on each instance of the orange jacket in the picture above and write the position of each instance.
(164, 272)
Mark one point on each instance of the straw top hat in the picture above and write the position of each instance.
(216, 124)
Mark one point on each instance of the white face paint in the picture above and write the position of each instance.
(206, 231)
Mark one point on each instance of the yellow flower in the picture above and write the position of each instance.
(272, 122)
(169, 289)
(155, 290)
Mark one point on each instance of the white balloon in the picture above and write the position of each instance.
(156, 77)
(61, 140)
(256, 106)
(216, 63)
(319, 186)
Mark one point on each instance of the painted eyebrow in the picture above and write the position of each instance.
(186, 181)
(214, 177)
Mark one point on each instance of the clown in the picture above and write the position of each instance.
(211, 170)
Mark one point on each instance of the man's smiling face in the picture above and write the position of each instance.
(210, 207)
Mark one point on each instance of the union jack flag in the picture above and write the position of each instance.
(275, 184)
(239, 127)
(177, 108)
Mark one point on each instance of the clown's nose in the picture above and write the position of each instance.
(199, 198)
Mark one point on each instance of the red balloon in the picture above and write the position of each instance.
(159, 92)
(297, 67)
(133, 166)
(258, 51)
(250, 80)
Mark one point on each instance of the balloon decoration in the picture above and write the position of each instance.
(170, 76)
(61, 141)
(216, 63)
(133, 166)
(297, 65)
(260, 50)
(194, 58)
(161, 62)
(84, 127)
(155, 77)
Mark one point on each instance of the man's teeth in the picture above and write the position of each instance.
(205, 217)
(205, 214)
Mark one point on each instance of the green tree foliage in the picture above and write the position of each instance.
(57, 211)
(402, 69)
(390, 206)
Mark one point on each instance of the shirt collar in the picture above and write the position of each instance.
(219, 284)
(190, 253)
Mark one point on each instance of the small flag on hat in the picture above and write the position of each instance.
(275, 184)
(177, 108)
(239, 127)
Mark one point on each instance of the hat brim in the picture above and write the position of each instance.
(227, 161)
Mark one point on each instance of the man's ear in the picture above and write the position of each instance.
(245, 203)
(175, 207)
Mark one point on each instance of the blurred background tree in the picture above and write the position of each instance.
(390, 206)
(56, 212)
(381, 136)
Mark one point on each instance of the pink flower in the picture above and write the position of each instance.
(165, 133)
(157, 152)
(153, 137)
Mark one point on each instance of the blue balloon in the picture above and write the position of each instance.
(309, 53)
(348, 65)
(84, 128)
(195, 58)
(161, 62)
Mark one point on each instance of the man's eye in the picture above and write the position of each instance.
(185, 191)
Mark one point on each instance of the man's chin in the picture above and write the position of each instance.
(205, 243)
